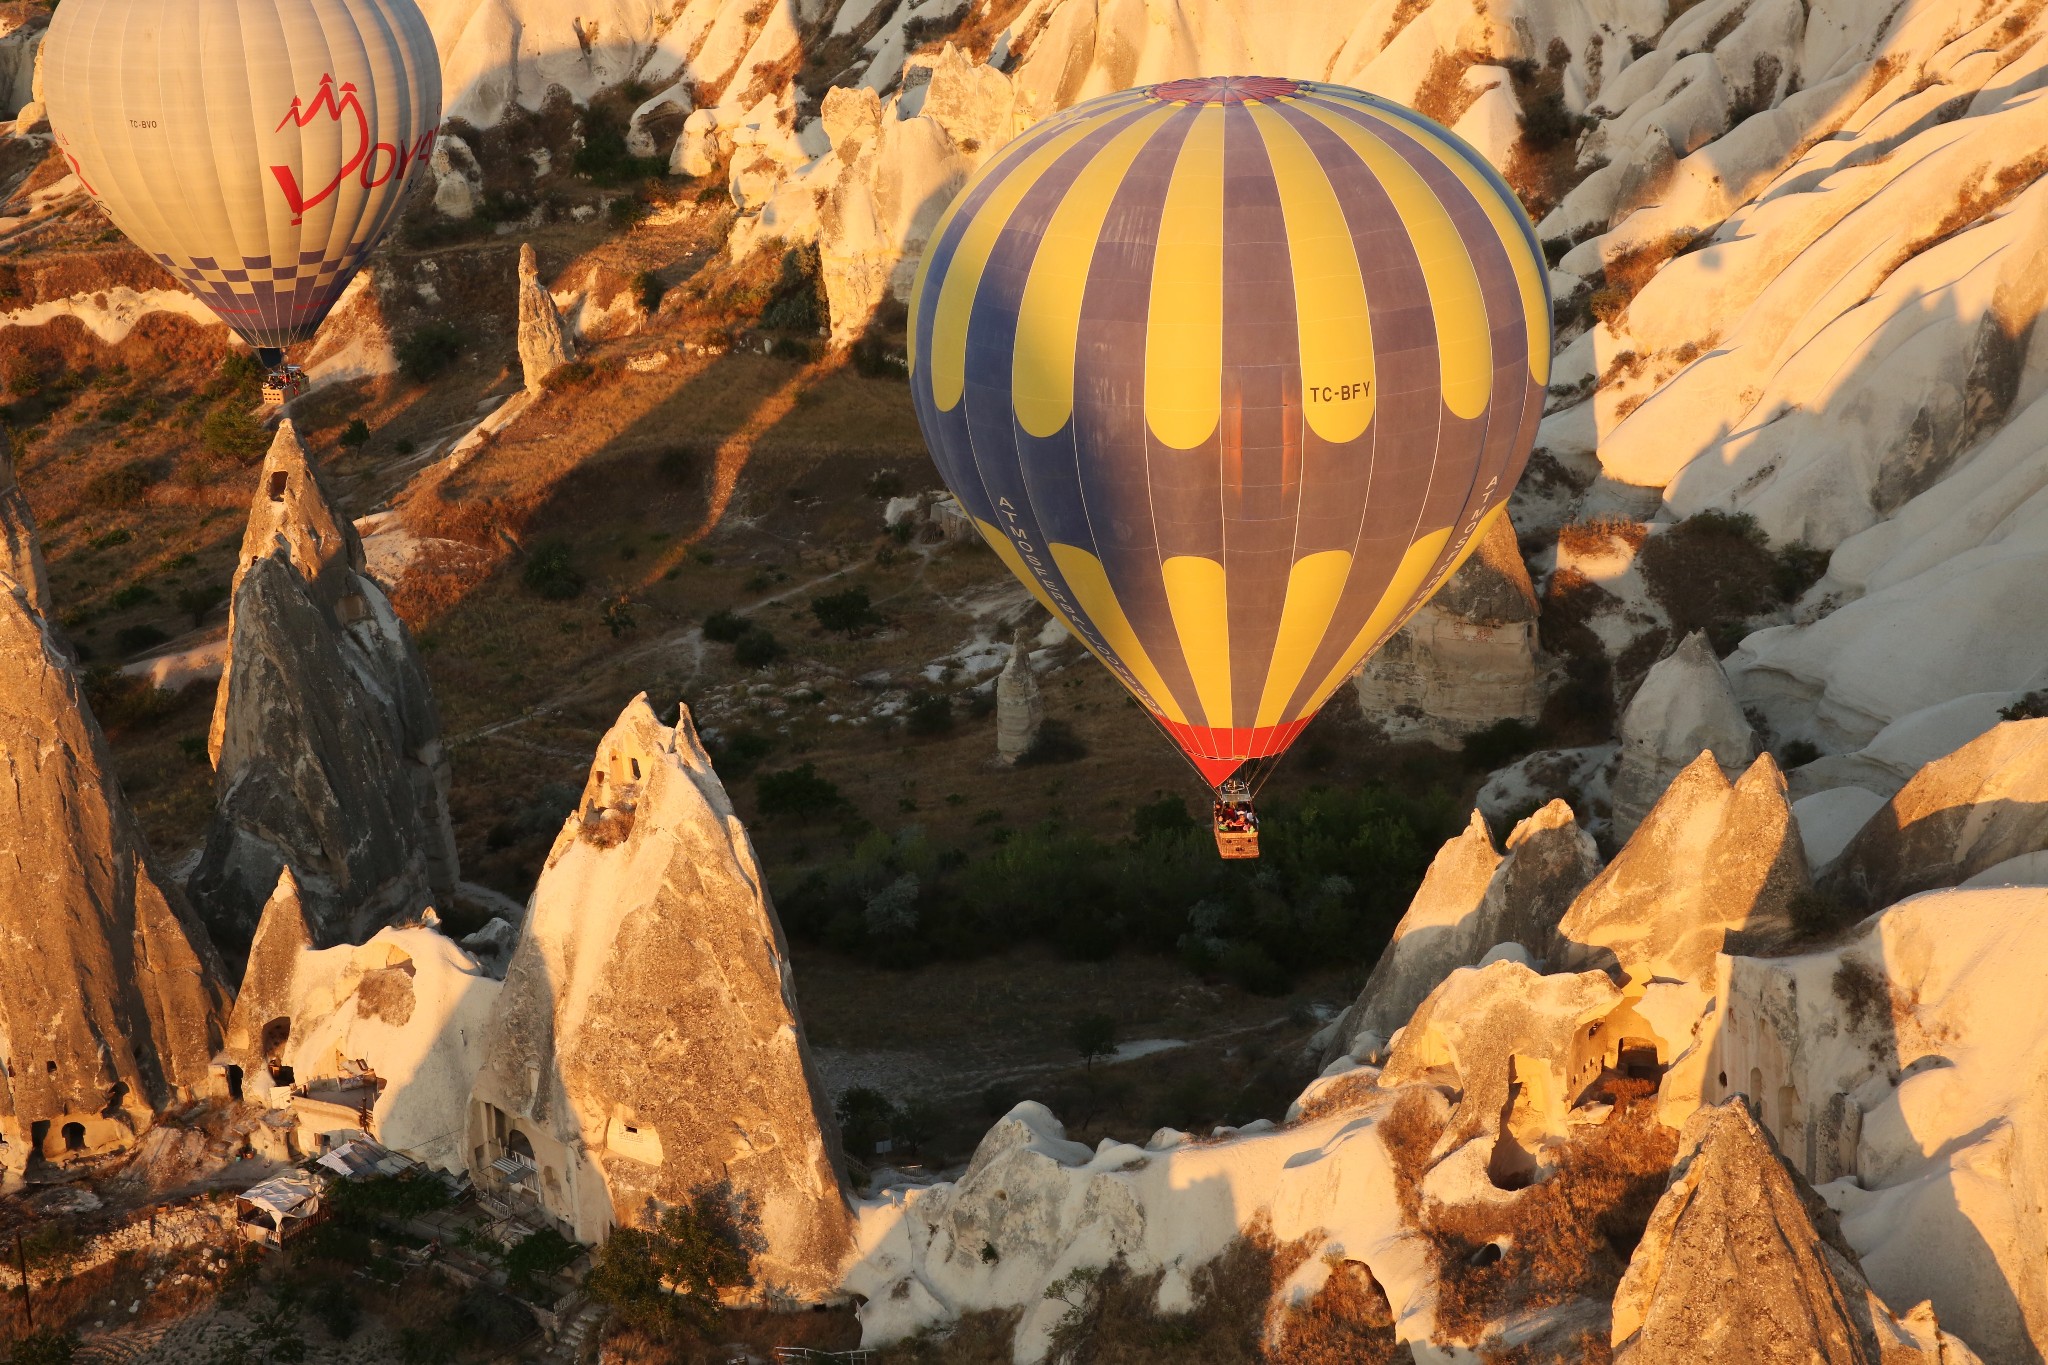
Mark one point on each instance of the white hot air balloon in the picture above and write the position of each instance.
(256, 148)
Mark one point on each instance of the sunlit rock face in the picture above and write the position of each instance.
(111, 1000)
(1684, 707)
(647, 1043)
(327, 743)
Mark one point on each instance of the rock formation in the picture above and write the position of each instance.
(1468, 657)
(1684, 706)
(1960, 815)
(385, 1037)
(1019, 708)
(646, 1042)
(1519, 1049)
(544, 344)
(110, 996)
(328, 750)
(1713, 867)
(1743, 1264)
(1471, 900)
(21, 556)
(458, 178)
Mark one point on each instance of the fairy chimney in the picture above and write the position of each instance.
(1019, 708)
(544, 344)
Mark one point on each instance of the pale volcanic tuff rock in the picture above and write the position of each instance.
(111, 998)
(1471, 900)
(1713, 867)
(1468, 657)
(1020, 710)
(1962, 814)
(646, 1042)
(544, 343)
(1742, 1263)
(409, 1003)
(329, 757)
(1684, 707)
(21, 557)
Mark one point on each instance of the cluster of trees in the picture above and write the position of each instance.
(1339, 869)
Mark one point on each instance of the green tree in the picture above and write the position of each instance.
(1093, 1036)
(356, 434)
(848, 612)
(668, 1275)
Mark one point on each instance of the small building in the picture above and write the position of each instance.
(280, 1208)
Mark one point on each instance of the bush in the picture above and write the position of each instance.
(736, 755)
(724, 626)
(537, 1256)
(428, 350)
(848, 612)
(648, 288)
(930, 715)
(603, 156)
(1093, 1037)
(120, 702)
(1500, 744)
(44, 1346)
(1165, 818)
(866, 1116)
(135, 639)
(798, 793)
(231, 432)
(551, 572)
(124, 484)
(1712, 572)
(2032, 706)
(1799, 567)
(671, 1276)
(334, 1304)
(757, 647)
(798, 302)
(197, 602)
(1547, 123)
(134, 595)
(1056, 743)
(356, 434)
(1800, 752)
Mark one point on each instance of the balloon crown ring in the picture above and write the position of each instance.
(1225, 89)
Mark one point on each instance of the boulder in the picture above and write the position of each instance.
(1713, 867)
(1468, 657)
(327, 742)
(1980, 806)
(111, 998)
(1471, 901)
(646, 1043)
(544, 343)
(697, 150)
(1683, 707)
(1742, 1263)
(21, 556)
(1019, 708)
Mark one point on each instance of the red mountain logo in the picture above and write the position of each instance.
(341, 105)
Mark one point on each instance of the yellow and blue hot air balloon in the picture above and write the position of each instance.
(1232, 373)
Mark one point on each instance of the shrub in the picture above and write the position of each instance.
(798, 302)
(798, 793)
(866, 1116)
(1799, 567)
(848, 612)
(737, 754)
(2032, 706)
(1165, 818)
(232, 433)
(44, 1346)
(428, 350)
(356, 434)
(757, 647)
(134, 595)
(334, 1304)
(1547, 123)
(648, 288)
(1712, 572)
(551, 572)
(603, 156)
(670, 1276)
(724, 626)
(135, 639)
(1499, 744)
(196, 602)
(242, 370)
(124, 484)
(930, 715)
(1800, 752)
(1093, 1037)
(120, 702)
(1056, 743)
(537, 1256)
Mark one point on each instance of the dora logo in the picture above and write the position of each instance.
(372, 163)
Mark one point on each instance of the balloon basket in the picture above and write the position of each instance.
(1237, 824)
(282, 385)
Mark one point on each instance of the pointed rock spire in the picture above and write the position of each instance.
(111, 999)
(646, 1042)
(1742, 1264)
(1019, 708)
(544, 343)
(1683, 707)
(282, 936)
(21, 558)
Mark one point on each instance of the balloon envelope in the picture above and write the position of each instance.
(1232, 373)
(256, 148)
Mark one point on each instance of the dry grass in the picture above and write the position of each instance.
(1568, 1237)
(976, 1339)
(1598, 535)
(1444, 94)
(1404, 15)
